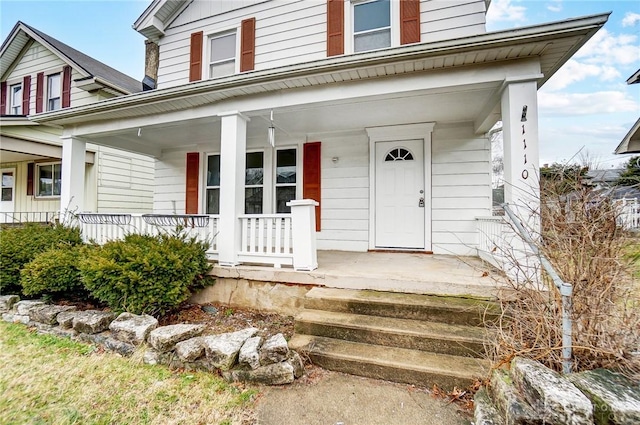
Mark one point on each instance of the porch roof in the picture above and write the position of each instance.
(552, 44)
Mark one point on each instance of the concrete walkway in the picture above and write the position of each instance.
(332, 398)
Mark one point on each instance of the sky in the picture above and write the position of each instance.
(586, 108)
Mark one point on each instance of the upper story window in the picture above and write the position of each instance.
(54, 91)
(371, 25)
(15, 106)
(222, 54)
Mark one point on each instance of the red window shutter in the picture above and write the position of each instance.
(30, 168)
(311, 175)
(248, 45)
(26, 94)
(3, 98)
(39, 92)
(409, 21)
(66, 86)
(335, 27)
(193, 175)
(195, 57)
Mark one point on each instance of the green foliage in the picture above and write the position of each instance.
(19, 245)
(55, 272)
(145, 274)
(631, 175)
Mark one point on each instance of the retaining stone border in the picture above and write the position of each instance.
(239, 356)
(530, 393)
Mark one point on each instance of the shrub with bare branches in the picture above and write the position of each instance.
(581, 239)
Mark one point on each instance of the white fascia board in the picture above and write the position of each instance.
(632, 135)
(529, 34)
(635, 78)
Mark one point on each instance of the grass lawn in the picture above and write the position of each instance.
(51, 380)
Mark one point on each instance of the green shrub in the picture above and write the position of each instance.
(145, 274)
(19, 245)
(55, 272)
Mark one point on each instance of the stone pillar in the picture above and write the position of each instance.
(520, 135)
(72, 186)
(303, 226)
(151, 63)
(233, 147)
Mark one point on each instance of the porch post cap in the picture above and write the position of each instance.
(231, 113)
(302, 202)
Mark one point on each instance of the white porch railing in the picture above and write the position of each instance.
(266, 238)
(491, 233)
(101, 228)
(629, 215)
(29, 217)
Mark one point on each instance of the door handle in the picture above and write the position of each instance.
(421, 203)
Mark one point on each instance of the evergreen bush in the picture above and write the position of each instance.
(146, 274)
(19, 245)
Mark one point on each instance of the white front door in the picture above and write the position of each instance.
(400, 195)
(7, 197)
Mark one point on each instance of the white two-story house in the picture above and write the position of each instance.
(41, 74)
(376, 110)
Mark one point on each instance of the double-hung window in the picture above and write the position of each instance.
(213, 184)
(285, 179)
(49, 179)
(54, 91)
(254, 183)
(222, 54)
(15, 106)
(371, 25)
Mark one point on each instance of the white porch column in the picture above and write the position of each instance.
(520, 135)
(233, 147)
(72, 186)
(303, 227)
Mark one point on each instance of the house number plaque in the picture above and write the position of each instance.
(523, 119)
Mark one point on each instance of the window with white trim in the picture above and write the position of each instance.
(254, 183)
(286, 175)
(371, 25)
(54, 92)
(49, 177)
(222, 54)
(15, 104)
(213, 185)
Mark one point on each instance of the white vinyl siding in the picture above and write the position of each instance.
(293, 31)
(170, 185)
(345, 193)
(461, 187)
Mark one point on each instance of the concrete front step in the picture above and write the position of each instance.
(452, 310)
(392, 332)
(391, 363)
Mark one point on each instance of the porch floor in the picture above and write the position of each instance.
(385, 271)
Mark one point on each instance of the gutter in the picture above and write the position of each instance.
(386, 56)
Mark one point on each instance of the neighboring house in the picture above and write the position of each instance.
(41, 74)
(378, 110)
(631, 142)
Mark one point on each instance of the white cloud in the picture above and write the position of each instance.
(555, 6)
(574, 71)
(606, 48)
(602, 102)
(630, 19)
(505, 10)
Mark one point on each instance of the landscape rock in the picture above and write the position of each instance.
(616, 399)
(190, 349)
(97, 339)
(92, 321)
(222, 350)
(555, 398)
(274, 350)
(7, 302)
(7, 317)
(23, 307)
(296, 362)
(120, 347)
(484, 412)
(151, 357)
(165, 338)
(509, 402)
(63, 332)
(249, 354)
(65, 319)
(18, 318)
(273, 374)
(132, 328)
(48, 313)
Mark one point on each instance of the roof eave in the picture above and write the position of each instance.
(632, 135)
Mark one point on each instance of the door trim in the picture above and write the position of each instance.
(422, 131)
